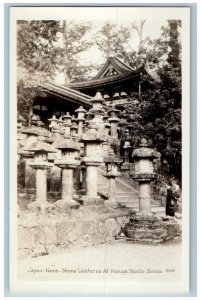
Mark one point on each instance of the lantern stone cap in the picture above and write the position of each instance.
(98, 98)
(60, 120)
(35, 130)
(35, 118)
(80, 109)
(68, 144)
(41, 147)
(127, 146)
(53, 118)
(89, 113)
(112, 158)
(74, 127)
(123, 123)
(25, 153)
(144, 151)
(29, 130)
(107, 125)
(49, 140)
(113, 109)
(114, 119)
(92, 136)
(43, 132)
(80, 119)
(67, 116)
(40, 123)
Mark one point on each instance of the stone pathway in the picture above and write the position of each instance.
(116, 261)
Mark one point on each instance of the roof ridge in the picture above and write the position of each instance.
(122, 62)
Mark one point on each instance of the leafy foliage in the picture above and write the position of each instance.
(75, 42)
(40, 56)
(158, 115)
(36, 57)
(113, 40)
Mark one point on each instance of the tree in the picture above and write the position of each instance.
(128, 43)
(36, 60)
(113, 40)
(40, 55)
(75, 42)
(158, 117)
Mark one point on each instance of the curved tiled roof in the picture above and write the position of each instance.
(108, 80)
(66, 92)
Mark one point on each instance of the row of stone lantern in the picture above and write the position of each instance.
(144, 174)
(91, 137)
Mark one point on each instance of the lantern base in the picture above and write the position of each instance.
(39, 207)
(65, 205)
(91, 200)
(111, 203)
(145, 228)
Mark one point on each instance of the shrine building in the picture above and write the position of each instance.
(118, 83)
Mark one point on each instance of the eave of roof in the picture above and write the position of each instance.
(67, 93)
(107, 80)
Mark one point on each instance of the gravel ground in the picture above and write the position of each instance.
(116, 261)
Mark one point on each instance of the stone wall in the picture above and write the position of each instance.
(45, 235)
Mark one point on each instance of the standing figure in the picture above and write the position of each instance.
(173, 193)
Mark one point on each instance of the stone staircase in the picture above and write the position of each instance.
(126, 194)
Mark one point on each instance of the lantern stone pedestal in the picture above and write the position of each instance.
(112, 163)
(41, 165)
(67, 163)
(144, 225)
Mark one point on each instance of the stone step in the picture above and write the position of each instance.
(135, 203)
(126, 194)
(126, 199)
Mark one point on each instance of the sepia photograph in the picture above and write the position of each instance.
(99, 150)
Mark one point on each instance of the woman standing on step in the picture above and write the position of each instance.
(173, 193)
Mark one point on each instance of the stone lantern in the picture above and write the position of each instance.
(41, 165)
(92, 141)
(144, 174)
(97, 112)
(114, 120)
(53, 121)
(144, 226)
(67, 163)
(80, 118)
(126, 147)
(112, 163)
(67, 125)
(106, 142)
(74, 128)
(30, 135)
(61, 125)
